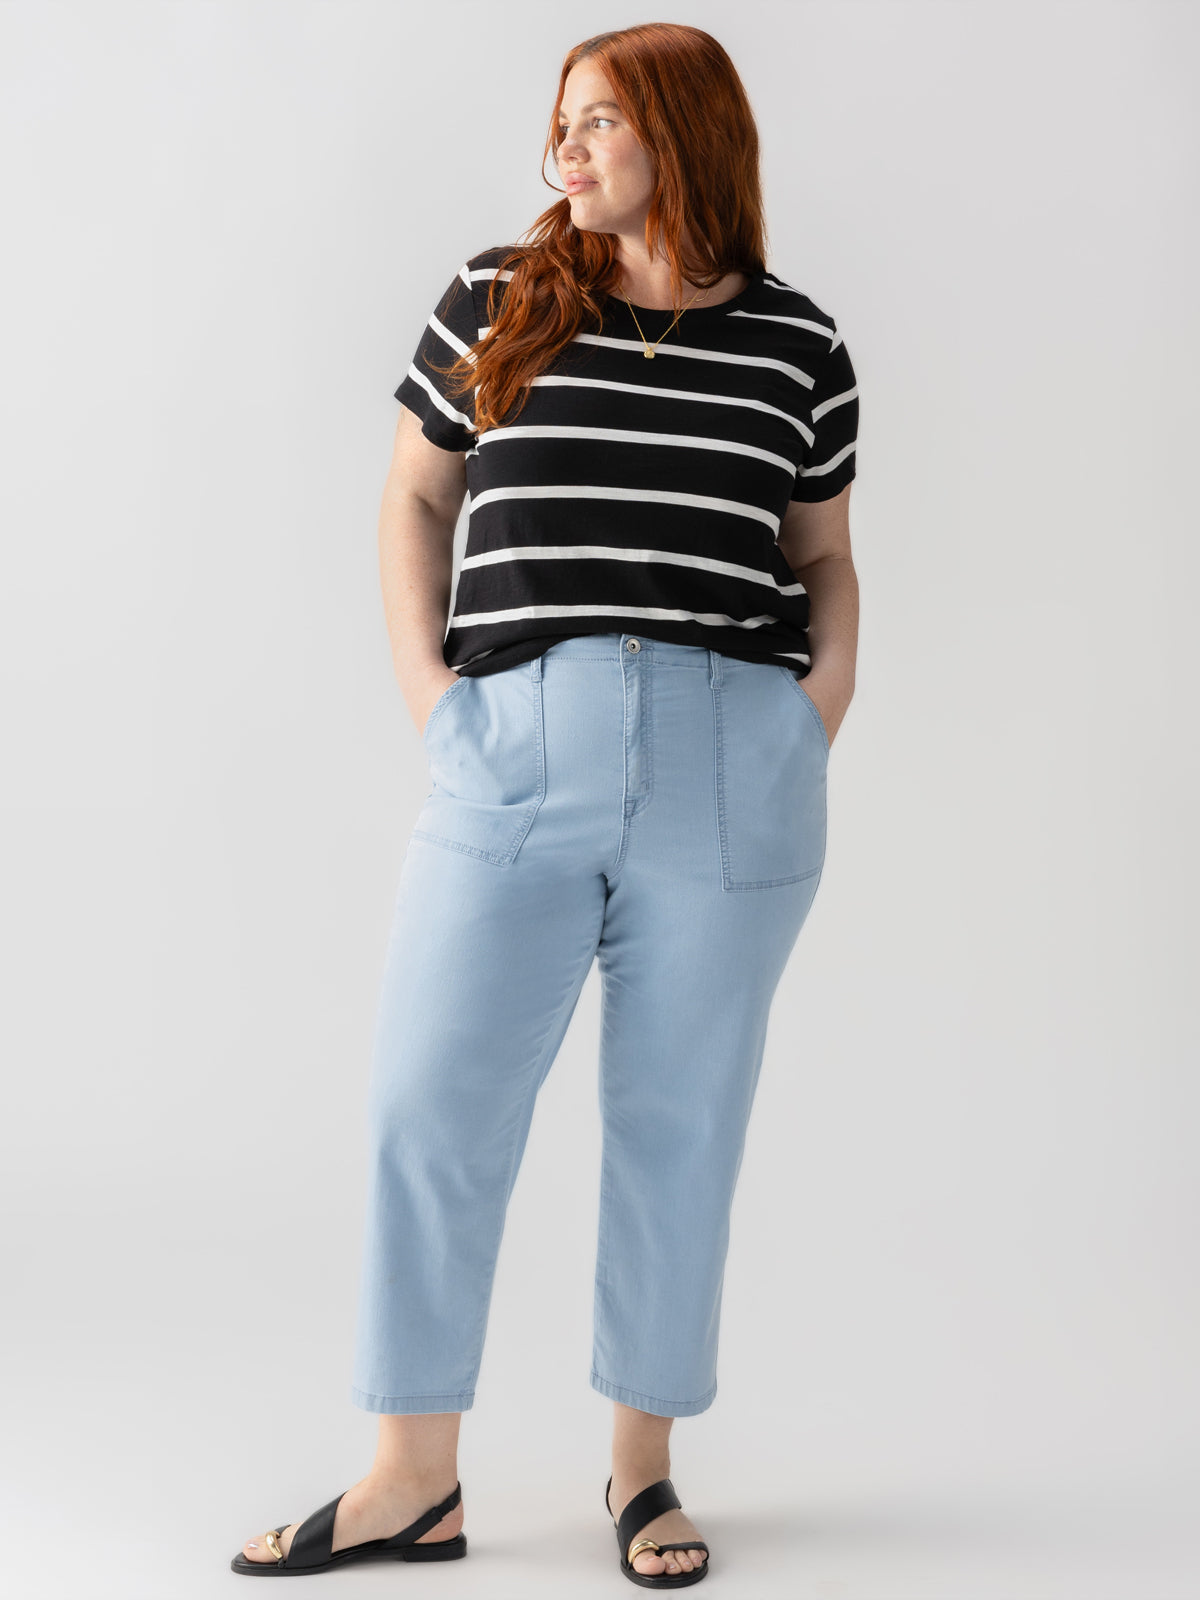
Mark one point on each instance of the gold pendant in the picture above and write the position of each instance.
(649, 354)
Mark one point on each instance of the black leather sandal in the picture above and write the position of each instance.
(311, 1549)
(643, 1508)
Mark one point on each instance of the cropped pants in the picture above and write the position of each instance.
(659, 808)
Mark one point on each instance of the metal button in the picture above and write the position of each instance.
(633, 644)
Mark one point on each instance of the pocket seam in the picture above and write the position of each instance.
(809, 702)
(440, 704)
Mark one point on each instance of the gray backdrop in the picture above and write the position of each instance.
(958, 1348)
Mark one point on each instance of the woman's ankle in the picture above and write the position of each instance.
(410, 1477)
(645, 1468)
(418, 1452)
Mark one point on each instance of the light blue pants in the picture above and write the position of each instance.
(660, 807)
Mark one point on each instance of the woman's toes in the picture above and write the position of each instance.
(258, 1550)
(646, 1561)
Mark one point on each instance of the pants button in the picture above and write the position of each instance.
(633, 644)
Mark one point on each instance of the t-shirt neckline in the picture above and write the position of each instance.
(723, 308)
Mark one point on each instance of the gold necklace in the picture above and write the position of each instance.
(650, 348)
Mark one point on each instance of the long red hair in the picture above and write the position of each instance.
(706, 172)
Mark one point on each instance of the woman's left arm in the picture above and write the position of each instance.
(814, 537)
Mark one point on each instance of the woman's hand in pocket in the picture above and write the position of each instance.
(431, 690)
(831, 696)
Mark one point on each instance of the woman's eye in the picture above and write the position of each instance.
(563, 126)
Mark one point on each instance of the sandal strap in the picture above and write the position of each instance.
(643, 1508)
(312, 1545)
(312, 1542)
(427, 1520)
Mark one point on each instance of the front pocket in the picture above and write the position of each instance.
(440, 703)
(485, 747)
(772, 764)
(794, 681)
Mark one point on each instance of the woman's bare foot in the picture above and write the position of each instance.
(641, 1457)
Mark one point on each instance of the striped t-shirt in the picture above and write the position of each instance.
(636, 496)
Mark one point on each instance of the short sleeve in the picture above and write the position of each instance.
(831, 460)
(448, 421)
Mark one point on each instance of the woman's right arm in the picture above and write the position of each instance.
(422, 498)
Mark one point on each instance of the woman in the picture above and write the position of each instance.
(624, 764)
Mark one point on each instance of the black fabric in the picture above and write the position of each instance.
(642, 496)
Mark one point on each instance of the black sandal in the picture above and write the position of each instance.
(643, 1508)
(311, 1547)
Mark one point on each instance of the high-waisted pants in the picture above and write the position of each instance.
(660, 807)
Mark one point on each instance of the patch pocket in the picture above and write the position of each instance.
(772, 764)
(485, 748)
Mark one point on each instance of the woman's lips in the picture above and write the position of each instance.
(576, 185)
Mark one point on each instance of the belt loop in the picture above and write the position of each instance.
(535, 668)
(714, 668)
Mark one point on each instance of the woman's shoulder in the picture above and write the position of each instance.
(489, 263)
(779, 296)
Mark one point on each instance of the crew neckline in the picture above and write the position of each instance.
(722, 308)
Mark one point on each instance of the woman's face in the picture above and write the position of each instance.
(598, 144)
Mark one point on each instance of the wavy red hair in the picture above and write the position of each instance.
(706, 172)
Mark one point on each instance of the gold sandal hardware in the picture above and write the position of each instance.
(643, 1544)
(272, 1544)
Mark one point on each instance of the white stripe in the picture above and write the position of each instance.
(835, 400)
(550, 430)
(608, 552)
(674, 394)
(794, 322)
(834, 335)
(684, 352)
(774, 281)
(826, 466)
(452, 339)
(443, 406)
(712, 619)
(471, 660)
(601, 491)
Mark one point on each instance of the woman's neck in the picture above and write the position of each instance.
(652, 293)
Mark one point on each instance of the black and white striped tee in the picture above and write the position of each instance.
(637, 496)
